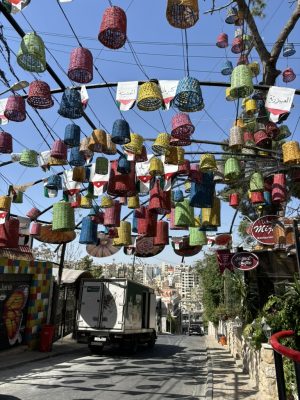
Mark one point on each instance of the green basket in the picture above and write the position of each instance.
(196, 237)
(31, 55)
(241, 82)
(257, 182)
(29, 158)
(232, 169)
(63, 217)
(184, 214)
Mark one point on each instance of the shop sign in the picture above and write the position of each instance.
(245, 261)
(262, 229)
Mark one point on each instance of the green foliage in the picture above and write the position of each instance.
(86, 263)
(258, 7)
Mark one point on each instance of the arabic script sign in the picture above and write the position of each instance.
(245, 261)
(262, 229)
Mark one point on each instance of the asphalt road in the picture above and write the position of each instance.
(174, 369)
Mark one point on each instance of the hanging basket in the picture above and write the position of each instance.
(212, 216)
(257, 182)
(241, 82)
(112, 215)
(29, 158)
(202, 194)
(232, 169)
(255, 68)
(9, 233)
(78, 174)
(84, 149)
(284, 133)
(237, 45)
(98, 141)
(133, 202)
(160, 200)
(63, 217)
(106, 202)
(232, 15)
(188, 97)
(182, 126)
(72, 135)
(123, 165)
(279, 188)
(156, 167)
(59, 150)
(15, 109)
(196, 237)
(71, 106)
(88, 233)
(162, 233)
(185, 168)
(261, 138)
(143, 156)
(182, 248)
(135, 145)
(228, 94)
(227, 68)
(5, 203)
(208, 163)
(39, 95)
(180, 142)
(148, 223)
(33, 213)
(161, 144)
(182, 14)
(76, 157)
(101, 165)
(120, 132)
(6, 143)
(113, 28)
(31, 55)
(47, 235)
(250, 106)
(184, 214)
(222, 40)
(122, 184)
(288, 75)
(124, 235)
(81, 65)
(234, 200)
(54, 182)
(257, 198)
(172, 156)
(236, 139)
(150, 97)
(35, 229)
(288, 50)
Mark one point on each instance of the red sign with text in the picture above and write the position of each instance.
(262, 229)
(245, 261)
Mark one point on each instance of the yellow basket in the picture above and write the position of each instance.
(106, 202)
(250, 106)
(98, 141)
(78, 174)
(228, 95)
(180, 155)
(161, 144)
(111, 148)
(291, 152)
(172, 157)
(86, 202)
(156, 167)
(124, 234)
(208, 163)
(149, 97)
(133, 202)
(135, 145)
(5, 203)
(212, 216)
(255, 68)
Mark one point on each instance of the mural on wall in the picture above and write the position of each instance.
(12, 309)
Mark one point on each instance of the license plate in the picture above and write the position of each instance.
(102, 339)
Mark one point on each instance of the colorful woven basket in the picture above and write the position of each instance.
(71, 106)
(15, 109)
(257, 182)
(196, 237)
(261, 138)
(279, 188)
(35, 229)
(234, 200)
(250, 106)
(111, 148)
(106, 202)
(182, 126)
(185, 168)
(212, 216)
(39, 95)
(227, 68)
(6, 143)
(272, 130)
(202, 194)
(120, 132)
(291, 152)
(63, 217)
(207, 163)
(222, 40)
(32, 55)
(112, 215)
(184, 214)
(5, 203)
(288, 75)
(255, 68)
(135, 145)
(228, 95)
(9, 233)
(76, 157)
(156, 167)
(148, 223)
(133, 202)
(84, 149)
(124, 234)
(237, 45)
(288, 50)
(241, 82)
(149, 97)
(160, 200)
(122, 184)
(284, 133)
(81, 65)
(232, 169)
(124, 165)
(88, 233)
(54, 182)
(101, 165)
(72, 135)
(182, 14)
(161, 144)
(257, 198)
(172, 156)
(113, 28)
(78, 174)
(236, 139)
(98, 141)
(232, 15)
(162, 233)
(59, 150)
(188, 97)
(143, 156)
(33, 213)
(29, 158)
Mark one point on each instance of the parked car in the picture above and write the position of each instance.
(196, 329)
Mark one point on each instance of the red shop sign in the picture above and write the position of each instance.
(223, 239)
(245, 261)
(262, 229)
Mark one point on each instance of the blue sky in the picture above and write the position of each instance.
(159, 49)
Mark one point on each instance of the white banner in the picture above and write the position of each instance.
(3, 119)
(126, 94)
(279, 101)
(168, 90)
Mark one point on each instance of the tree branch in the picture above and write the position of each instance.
(276, 50)
(258, 42)
(213, 9)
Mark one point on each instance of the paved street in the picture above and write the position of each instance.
(175, 369)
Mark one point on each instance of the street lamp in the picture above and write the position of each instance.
(267, 330)
(16, 87)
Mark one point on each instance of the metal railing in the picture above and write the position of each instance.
(279, 352)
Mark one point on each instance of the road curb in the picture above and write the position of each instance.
(209, 380)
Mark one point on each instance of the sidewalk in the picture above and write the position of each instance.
(21, 355)
(225, 379)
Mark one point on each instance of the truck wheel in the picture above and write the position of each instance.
(96, 349)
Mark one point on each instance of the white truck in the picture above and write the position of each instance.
(115, 311)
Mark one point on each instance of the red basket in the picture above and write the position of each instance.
(182, 126)
(272, 130)
(9, 233)
(279, 188)
(222, 40)
(185, 168)
(257, 198)
(6, 144)
(237, 45)
(15, 109)
(39, 95)
(160, 201)
(147, 225)
(162, 233)
(112, 215)
(261, 138)
(81, 65)
(122, 184)
(113, 28)
(234, 200)
(59, 150)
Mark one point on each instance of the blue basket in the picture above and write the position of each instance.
(76, 158)
(134, 227)
(120, 132)
(288, 50)
(54, 182)
(202, 194)
(267, 198)
(124, 165)
(227, 68)
(232, 15)
(88, 234)
(72, 135)
(71, 106)
(188, 97)
(178, 195)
